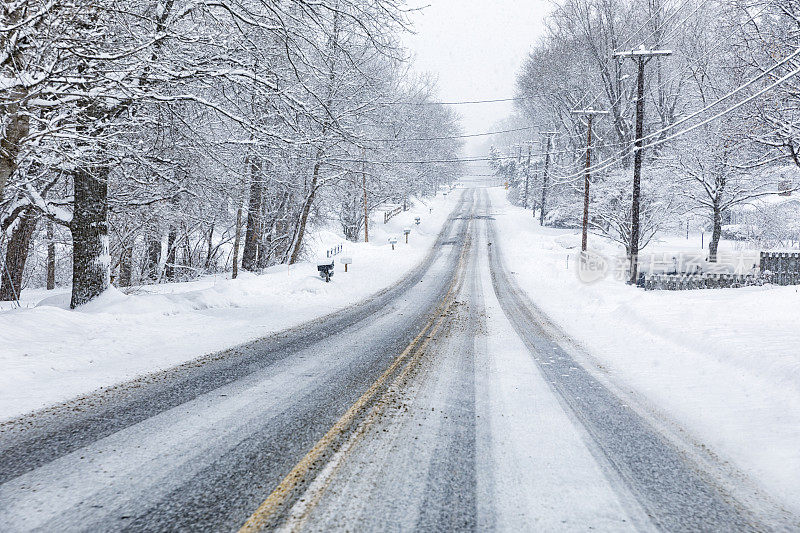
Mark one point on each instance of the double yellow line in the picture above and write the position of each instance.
(271, 507)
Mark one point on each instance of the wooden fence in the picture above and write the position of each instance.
(388, 215)
(780, 268)
(680, 282)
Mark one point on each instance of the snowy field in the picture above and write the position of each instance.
(722, 363)
(51, 354)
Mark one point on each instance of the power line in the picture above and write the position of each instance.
(620, 155)
(644, 25)
(615, 159)
(630, 38)
(461, 102)
(449, 137)
(675, 75)
(422, 162)
(521, 98)
(666, 37)
(624, 153)
(671, 32)
(667, 19)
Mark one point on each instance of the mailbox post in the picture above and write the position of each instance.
(406, 231)
(325, 268)
(392, 241)
(346, 261)
(416, 221)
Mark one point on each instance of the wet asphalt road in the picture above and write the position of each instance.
(200, 447)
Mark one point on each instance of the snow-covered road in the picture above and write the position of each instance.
(447, 402)
(52, 354)
(200, 446)
(475, 440)
(500, 428)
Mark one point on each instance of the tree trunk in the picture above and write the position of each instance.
(91, 264)
(51, 257)
(252, 237)
(545, 181)
(16, 128)
(210, 251)
(153, 258)
(713, 244)
(126, 266)
(266, 250)
(187, 248)
(281, 247)
(237, 237)
(169, 268)
(16, 256)
(297, 245)
(265, 231)
(14, 122)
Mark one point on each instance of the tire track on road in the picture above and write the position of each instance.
(673, 491)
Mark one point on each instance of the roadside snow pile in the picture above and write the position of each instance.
(50, 354)
(724, 363)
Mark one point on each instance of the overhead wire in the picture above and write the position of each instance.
(424, 161)
(678, 25)
(458, 102)
(643, 26)
(606, 163)
(665, 38)
(675, 75)
(625, 153)
(615, 159)
(449, 137)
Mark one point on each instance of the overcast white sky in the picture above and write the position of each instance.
(475, 48)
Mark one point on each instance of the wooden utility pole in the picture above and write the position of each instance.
(546, 176)
(641, 56)
(527, 178)
(364, 186)
(589, 114)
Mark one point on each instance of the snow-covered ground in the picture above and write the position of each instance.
(50, 354)
(723, 363)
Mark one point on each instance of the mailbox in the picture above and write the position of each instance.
(325, 268)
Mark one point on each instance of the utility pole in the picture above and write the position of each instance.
(527, 178)
(641, 56)
(546, 176)
(364, 186)
(589, 114)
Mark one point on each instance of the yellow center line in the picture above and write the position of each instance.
(296, 522)
(269, 507)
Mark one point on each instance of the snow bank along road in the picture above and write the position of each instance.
(441, 403)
